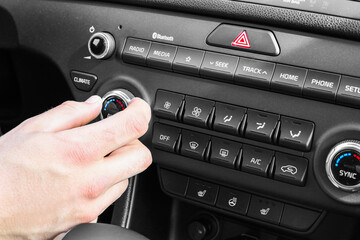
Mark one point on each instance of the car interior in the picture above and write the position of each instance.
(255, 129)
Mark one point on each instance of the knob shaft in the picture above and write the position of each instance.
(343, 165)
(115, 101)
(101, 45)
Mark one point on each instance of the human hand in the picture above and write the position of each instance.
(55, 171)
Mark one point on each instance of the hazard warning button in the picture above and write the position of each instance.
(244, 39)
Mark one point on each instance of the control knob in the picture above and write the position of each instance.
(115, 101)
(101, 45)
(343, 165)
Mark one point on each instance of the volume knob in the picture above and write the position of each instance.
(101, 45)
(343, 165)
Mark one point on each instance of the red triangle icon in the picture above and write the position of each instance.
(242, 40)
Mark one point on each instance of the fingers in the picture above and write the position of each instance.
(105, 136)
(68, 115)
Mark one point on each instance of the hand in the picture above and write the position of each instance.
(55, 171)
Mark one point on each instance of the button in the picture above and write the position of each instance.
(202, 191)
(194, 144)
(197, 111)
(228, 118)
(299, 219)
(256, 160)
(349, 91)
(321, 85)
(83, 81)
(244, 39)
(224, 153)
(219, 66)
(288, 79)
(174, 183)
(254, 73)
(260, 125)
(188, 60)
(165, 137)
(167, 104)
(290, 169)
(135, 51)
(296, 134)
(232, 200)
(161, 56)
(265, 209)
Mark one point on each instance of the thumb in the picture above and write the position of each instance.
(68, 115)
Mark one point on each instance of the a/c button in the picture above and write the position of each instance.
(349, 91)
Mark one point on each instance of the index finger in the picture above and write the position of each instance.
(103, 137)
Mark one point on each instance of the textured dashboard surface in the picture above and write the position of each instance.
(273, 16)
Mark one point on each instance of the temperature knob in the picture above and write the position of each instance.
(101, 45)
(343, 165)
(115, 101)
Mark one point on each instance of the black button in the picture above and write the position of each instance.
(174, 183)
(161, 56)
(188, 60)
(202, 191)
(299, 219)
(290, 169)
(265, 209)
(256, 160)
(349, 91)
(288, 79)
(244, 39)
(296, 134)
(260, 125)
(83, 81)
(321, 85)
(254, 73)
(228, 118)
(197, 111)
(167, 104)
(219, 66)
(224, 152)
(194, 144)
(135, 51)
(165, 137)
(232, 200)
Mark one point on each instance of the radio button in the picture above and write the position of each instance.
(188, 60)
(321, 85)
(254, 73)
(288, 79)
(349, 91)
(161, 56)
(219, 66)
(135, 51)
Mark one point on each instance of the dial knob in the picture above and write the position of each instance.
(115, 101)
(343, 165)
(101, 45)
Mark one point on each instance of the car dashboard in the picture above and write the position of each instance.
(255, 132)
